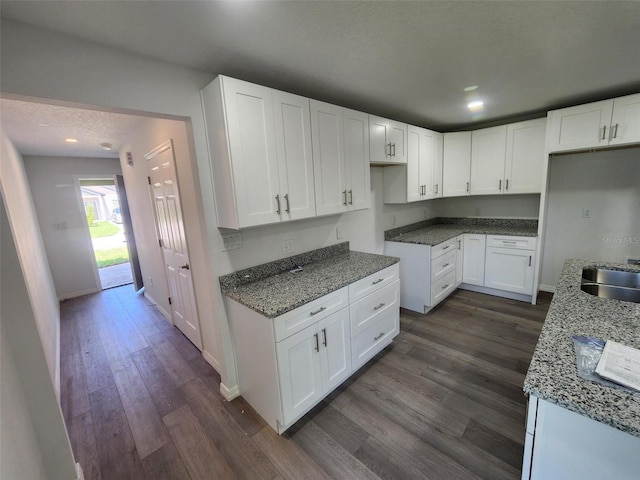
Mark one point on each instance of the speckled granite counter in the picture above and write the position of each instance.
(271, 290)
(552, 375)
(438, 230)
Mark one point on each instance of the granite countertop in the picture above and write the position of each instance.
(271, 290)
(435, 231)
(552, 375)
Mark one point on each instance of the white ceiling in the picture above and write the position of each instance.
(405, 60)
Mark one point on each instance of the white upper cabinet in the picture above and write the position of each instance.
(437, 166)
(593, 125)
(415, 180)
(341, 158)
(525, 156)
(456, 164)
(388, 141)
(488, 153)
(260, 144)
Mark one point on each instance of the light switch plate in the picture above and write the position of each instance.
(232, 240)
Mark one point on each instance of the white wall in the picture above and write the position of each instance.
(34, 438)
(55, 196)
(492, 206)
(608, 184)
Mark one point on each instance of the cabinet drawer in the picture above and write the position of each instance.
(443, 287)
(525, 243)
(368, 310)
(443, 265)
(442, 248)
(291, 322)
(375, 338)
(367, 285)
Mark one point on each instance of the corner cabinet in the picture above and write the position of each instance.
(260, 145)
(341, 158)
(594, 125)
(456, 164)
(388, 141)
(288, 364)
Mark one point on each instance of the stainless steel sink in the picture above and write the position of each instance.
(611, 277)
(612, 284)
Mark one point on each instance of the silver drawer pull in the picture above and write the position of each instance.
(321, 309)
(444, 248)
(510, 242)
(445, 287)
(315, 335)
(379, 306)
(378, 337)
(377, 281)
(445, 265)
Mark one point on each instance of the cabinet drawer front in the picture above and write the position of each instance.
(291, 322)
(443, 287)
(368, 310)
(374, 338)
(525, 243)
(376, 281)
(442, 248)
(443, 265)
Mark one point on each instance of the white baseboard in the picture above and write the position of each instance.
(79, 472)
(164, 313)
(229, 393)
(548, 288)
(211, 360)
(79, 293)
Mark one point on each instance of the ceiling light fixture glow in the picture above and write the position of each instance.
(475, 106)
(470, 88)
(71, 140)
(105, 146)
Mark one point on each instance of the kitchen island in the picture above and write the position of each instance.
(577, 428)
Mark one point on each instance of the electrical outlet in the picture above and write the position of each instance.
(287, 246)
(338, 233)
(232, 240)
(151, 281)
(586, 212)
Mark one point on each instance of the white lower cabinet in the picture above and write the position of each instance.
(459, 258)
(287, 364)
(474, 256)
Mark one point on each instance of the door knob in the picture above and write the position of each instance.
(185, 266)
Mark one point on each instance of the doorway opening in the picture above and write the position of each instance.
(103, 206)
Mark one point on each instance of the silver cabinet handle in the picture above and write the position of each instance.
(286, 197)
(324, 336)
(317, 342)
(379, 336)
(436, 188)
(445, 287)
(377, 281)
(379, 306)
(321, 309)
(385, 150)
(604, 132)
(278, 202)
(510, 242)
(185, 266)
(350, 197)
(445, 265)
(344, 196)
(529, 260)
(615, 131)
(393, 145)
(467, 186)
(446, 246)
(500, 185)
(507, 185)
(459, 244)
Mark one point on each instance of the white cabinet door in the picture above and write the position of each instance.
(488, 150)
(525, 156)
(437, 165)
(509, 269)
(414, 182)
(292, 119)
(459, 258)
(625, 122)
(473, 261)
(388, 141)
(299, 372)
(456, 164)
(335, 349)
(356, 159)
(252, 145)
(328, 158)
(575, 128)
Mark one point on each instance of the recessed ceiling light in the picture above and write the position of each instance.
(105, 146)
(475, 106)
(71, 140)
(471, 88)
(43, 124)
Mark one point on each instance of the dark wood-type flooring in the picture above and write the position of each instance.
(445, 401)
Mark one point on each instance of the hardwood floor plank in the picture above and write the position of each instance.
(348, 434)
(116, 447)
(165, 464)
(163, 391)
(201, 458)
(97, 368)
(182, 344)
(494, 443)
(116, 351)
(73, 386)
(290, 460)
(131, 386)
(176, 366)
(388, 464)
(149, 433)
(237, 448)
(83, 443)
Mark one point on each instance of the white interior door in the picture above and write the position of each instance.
(172, 240)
